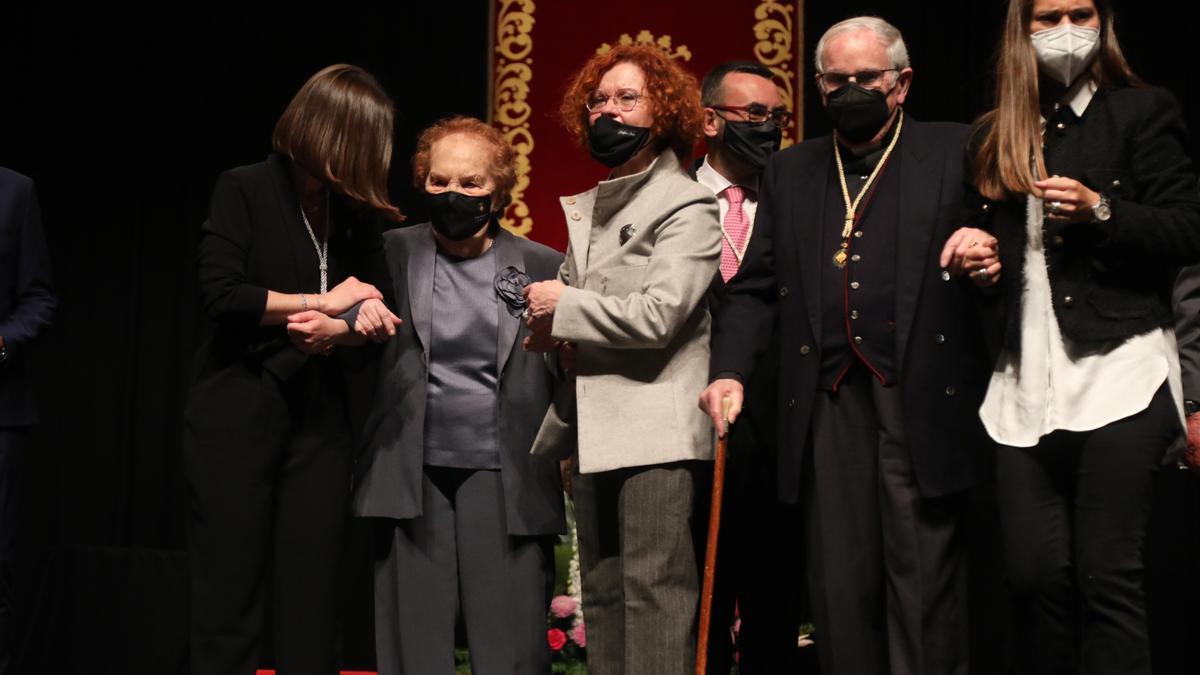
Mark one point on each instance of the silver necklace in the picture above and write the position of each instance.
(323, 246)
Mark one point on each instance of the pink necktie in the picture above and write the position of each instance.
(736, 226)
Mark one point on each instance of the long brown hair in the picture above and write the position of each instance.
(673, 92)
(1011, 132)
(338, 127)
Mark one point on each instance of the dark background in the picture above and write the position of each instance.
(124, 118)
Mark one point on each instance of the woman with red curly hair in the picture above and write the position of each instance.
(627, 319)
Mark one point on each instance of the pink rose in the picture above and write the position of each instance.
(579, 635)
(563, 606)
(556, 638)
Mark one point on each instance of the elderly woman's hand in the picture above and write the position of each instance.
(1066, 200)
(541, 300)
(375, 321)
(974, 252)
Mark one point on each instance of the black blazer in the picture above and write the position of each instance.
(27, 299)
(943, 365)
(255, 240)
(389, 475)
(1109, 281)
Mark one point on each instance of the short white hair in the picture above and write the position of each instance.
(888, 34)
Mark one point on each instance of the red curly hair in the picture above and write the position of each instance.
(503, 157)
(673, 94)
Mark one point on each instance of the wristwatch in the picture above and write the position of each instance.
(1102, 210)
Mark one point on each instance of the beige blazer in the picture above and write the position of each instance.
(642, 252)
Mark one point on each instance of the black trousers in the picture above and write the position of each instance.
(1074, 512)
(269, 481)
(886, 565)
(458, 555)
(757, 558)
(12, 460)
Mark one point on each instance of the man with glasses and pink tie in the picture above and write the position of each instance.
(744, 120)
(881, 367)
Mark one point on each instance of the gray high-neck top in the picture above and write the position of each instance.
(461, 428)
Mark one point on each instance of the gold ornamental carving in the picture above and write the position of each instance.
(646, 38)
(510, 101)
(775, 35)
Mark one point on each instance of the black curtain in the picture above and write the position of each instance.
(125, 116)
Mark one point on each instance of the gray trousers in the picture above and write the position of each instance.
(886, 568)
(459, 552)
(638, 563)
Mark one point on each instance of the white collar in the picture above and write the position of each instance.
(1080, 95)
(710, 178)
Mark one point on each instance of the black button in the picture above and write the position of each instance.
(783, 291)
(854, 285)
(950, 391)
(804, 350)
(939, 338)
(854, 314)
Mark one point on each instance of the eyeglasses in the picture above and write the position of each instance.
(625, 100)
(864, 78)
(757, 113)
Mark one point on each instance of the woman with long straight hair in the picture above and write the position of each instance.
(267, 427)
(1086, 183)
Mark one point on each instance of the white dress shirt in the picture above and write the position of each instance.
(1047, 388)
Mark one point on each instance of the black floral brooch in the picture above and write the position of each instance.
(510, 286)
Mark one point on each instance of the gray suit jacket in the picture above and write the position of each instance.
(642, 252)
(388, 476)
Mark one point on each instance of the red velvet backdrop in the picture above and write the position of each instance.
(538, 46)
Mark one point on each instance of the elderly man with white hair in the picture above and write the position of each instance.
(882, 365)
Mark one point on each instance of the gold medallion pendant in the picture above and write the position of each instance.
(839, 258)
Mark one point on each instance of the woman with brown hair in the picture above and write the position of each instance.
(629, 303)
(1086, 183)
(267, 426)
(464, 516)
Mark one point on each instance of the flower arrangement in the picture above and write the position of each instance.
(567, 632)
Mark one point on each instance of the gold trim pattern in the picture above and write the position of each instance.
(511, 110)
(647, 38)
(774, 33)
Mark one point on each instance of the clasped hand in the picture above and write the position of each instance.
(973, 252)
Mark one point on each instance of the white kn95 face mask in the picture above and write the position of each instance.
(1066, 50)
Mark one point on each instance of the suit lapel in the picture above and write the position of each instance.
(507, 325)
(813, 182)
(299, 243)
(420, 287)
(920, 194)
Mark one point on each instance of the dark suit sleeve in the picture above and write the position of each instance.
(1164, 222)
(225, 238)
(745, 315)
(1187, 329)
(35, 299)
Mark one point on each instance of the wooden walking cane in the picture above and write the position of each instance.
(710, 549)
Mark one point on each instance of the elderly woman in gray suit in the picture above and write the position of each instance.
(464, 513)
(629, 307)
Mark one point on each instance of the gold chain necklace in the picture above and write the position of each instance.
(840, 256)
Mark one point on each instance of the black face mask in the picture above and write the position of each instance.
(857, 113)
(752, 143)
(457, 216)
(612, 143)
